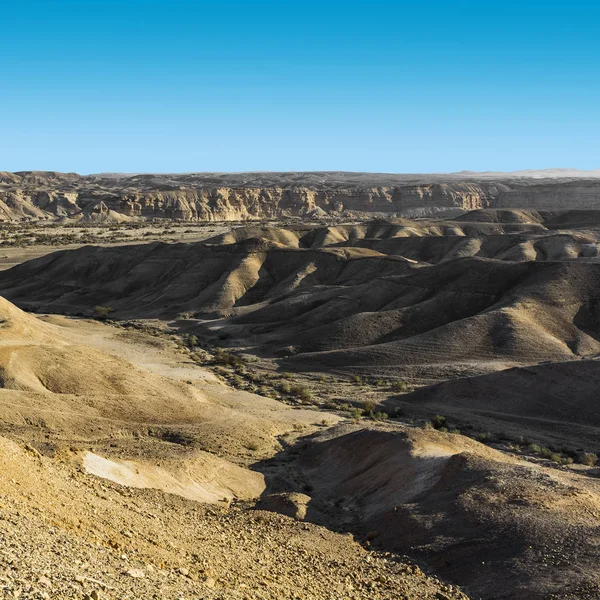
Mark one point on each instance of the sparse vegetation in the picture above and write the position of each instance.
(285, 387)
(222, 357)
(438, 421)
(399, 386)
(189, 340)
(380, 416)
(588, 458)
(102, 312)
(301, 392)
(368, 408)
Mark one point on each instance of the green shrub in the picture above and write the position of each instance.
(227, 358)
(102, 312)
(587, 458)
(380, 416)
(356, 413)
(301, 392)
(190, 340)
(399, 386)
(438, 421)
(396, 413)
(368, 408)
(285, 387)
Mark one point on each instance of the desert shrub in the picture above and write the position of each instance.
(438, 421)
(190, 340)
(357, 379)
(102, 312)
(454, 431)
(184, 315)
(227, 358)
(285, 387)
(380, 415)
(396, 413)
(356, 413)
(368, 408)
(555, 457)
(286, 376)
(399, 386)
(535, 448)
(301, 392)
(587, 458)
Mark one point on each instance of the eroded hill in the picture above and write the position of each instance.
(485, 324)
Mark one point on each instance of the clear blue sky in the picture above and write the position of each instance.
(132, 85)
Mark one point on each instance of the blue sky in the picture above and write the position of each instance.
(149, 85)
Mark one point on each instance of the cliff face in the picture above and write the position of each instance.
(32, 196)
(238, 204)
(582, 195)
(242, 197)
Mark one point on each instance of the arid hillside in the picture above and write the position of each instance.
(194, 416)
(144, 467)
(136, 477)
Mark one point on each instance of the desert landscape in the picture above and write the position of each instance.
(300, 385)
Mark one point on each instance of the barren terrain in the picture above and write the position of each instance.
(340, 405)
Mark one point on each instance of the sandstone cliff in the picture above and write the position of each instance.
(259, 196)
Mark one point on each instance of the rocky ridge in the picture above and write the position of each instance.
(261, 196)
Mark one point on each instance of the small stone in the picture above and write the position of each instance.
(210, 582)
(45, 581)
(136, 573)
(184, 571)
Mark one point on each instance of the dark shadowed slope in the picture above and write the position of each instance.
(502, 527)
(318, 298)
(546, 403)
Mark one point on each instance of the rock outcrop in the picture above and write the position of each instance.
(261, 196)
